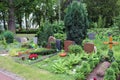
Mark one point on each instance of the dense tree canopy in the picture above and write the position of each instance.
(106, 8)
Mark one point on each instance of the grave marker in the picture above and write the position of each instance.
(89, 47)
(58, 44)
(67, 43)
(111, 43)
(91, 36)
(35, 39)
(51, 39)
(22, 39)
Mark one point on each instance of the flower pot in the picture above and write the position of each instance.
(63, 54)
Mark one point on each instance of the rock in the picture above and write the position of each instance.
(51, 39)
(102, 68)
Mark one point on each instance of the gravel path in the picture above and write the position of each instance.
(6, 75)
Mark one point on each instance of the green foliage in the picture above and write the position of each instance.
(76, 22)
(44, 32)
(110, 55)
(1, 37)
(9, 36)
(60, 36)
(75, 49)
(73, 60)
(43, 51)
(117, 21)
(110, 74)
(84, 68)
(59, 66)
(58, 27)
(101, 22)
(114, 66)
(99, 7)
(79, 76)
(53, 45)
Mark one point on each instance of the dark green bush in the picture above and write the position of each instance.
(58, 27)
(44, 52)
(1, 37)
(44, 32)
(31, 31)
(9, 36)
(76, 22)
(114, 66)
(110, 74)
(53, 45)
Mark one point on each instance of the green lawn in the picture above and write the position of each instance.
(26, 35)
(30, 72)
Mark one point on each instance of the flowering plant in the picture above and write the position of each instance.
(33, 56)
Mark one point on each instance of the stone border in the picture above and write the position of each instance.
(12, 75)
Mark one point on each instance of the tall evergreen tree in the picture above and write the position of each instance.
(76, 22)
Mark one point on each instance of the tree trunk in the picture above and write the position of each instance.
(11, 20)
(26, 21)
(5, 27)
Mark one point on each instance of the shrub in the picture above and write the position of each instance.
(44, 32)
(114, 66)
(110, 74)
(9, 36)
(117, 21)
(1, 37)
(44, 52)
(76, 22)
(79, 76)
(75, 49)
(53, 45)
(84, 68)
(58, 27)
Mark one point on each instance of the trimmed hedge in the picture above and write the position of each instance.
(44, 52)
(34, 31)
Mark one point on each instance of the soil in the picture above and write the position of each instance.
(6, 75)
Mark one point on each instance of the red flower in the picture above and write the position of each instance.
(33, 56)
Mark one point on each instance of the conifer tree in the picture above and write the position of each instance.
(76, 22)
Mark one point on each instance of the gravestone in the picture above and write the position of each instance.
(91, 36)
(88, 47)
(22, 39)
(51, 39)
(67, 43)
(18, 39)
(35, 39)
(58, 44)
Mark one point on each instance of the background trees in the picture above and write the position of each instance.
(106, 9)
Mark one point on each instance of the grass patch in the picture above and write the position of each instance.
(30, 72)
